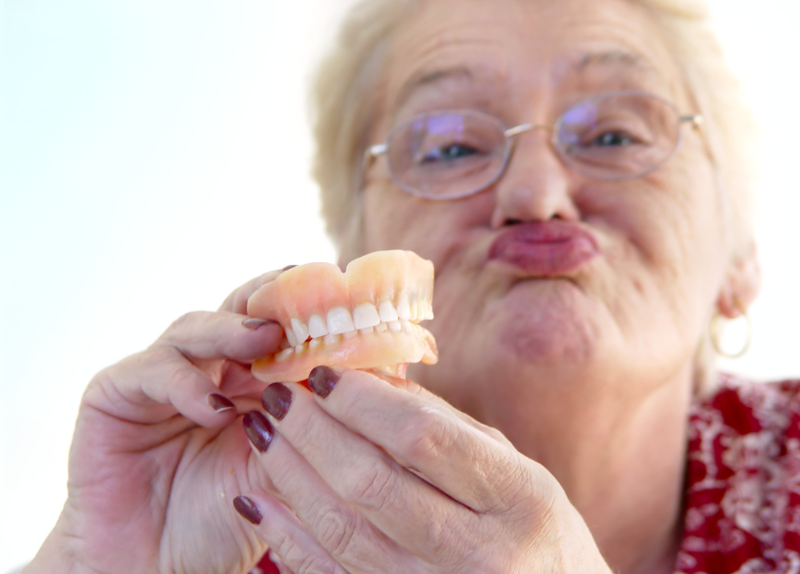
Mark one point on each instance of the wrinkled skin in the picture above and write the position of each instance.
(153, 471)
(152, 467)
(586, 423)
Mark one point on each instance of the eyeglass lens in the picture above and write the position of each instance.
(455, 153)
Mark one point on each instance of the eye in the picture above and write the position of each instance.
(448, 153)
(613, 139)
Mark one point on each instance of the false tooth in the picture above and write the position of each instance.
(366, 331)
(285, 354)
(339, 321)
(290, 337)
(380, 327)
(403, 308)
(365, 315)
(331, 339)
(394, 326)
(387, 311)
(428, 312)
(300, 330)
(317, 326)
(313, 343)
(415, 308)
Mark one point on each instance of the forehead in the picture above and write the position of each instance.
(526, 51)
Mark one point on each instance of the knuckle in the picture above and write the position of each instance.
(315, 564)
(512, 485)
(240, 302)
(376, 487)
(427, 435)
(184, 320)
(104, 388)
(299, 559)
(336, 530)
(159, 355)
(188, 323)
(528, 491)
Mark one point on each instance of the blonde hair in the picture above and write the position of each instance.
(345, 99)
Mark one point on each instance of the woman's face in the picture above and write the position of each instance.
(548, 278)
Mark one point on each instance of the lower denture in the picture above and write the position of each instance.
(337, 340)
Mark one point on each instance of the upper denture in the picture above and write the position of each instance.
(345, 318)
(365, 315)
(339, 321)
(317, 326)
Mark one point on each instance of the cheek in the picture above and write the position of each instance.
(435, 230)
(687, 236)
(390, 221)
(667, 235)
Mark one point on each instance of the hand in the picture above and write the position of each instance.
(377, 475)
(158, 453)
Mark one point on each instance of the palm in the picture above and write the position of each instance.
(153, 496)
(154, 466)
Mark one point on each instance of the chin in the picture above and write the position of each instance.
(546, 323)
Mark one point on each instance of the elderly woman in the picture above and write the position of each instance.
(585, 209)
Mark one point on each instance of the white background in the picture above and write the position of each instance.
(155, 156)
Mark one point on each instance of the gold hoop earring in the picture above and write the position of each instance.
(715, 332)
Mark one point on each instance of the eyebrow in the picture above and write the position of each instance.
(612, 57)
(592, 59)
(426, 78)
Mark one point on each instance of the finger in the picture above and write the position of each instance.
(236, 302)
(338, 527)
(417, 389)
(237, 380)
(403, 506)
(427, 436)
(205, 335)
(278, 563)
(298, 551)
(153, 385)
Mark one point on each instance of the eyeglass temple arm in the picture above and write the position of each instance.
(370, 154)
(375, 150)
(696, 119)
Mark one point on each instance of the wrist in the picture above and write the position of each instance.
(576, 545)
(58, 553)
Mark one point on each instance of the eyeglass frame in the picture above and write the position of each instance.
(376, 150)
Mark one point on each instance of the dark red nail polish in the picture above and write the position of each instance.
(277, 398)
(219, 403)
(248, 509)
(259, 430)
(288, 267)
(254, 324)
(322, 379)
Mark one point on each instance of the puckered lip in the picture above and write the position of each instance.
(545, 249)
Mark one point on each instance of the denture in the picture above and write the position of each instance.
(365, 318)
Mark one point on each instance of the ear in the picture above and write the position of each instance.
(742, 283)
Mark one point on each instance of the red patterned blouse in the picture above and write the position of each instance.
(743, 482)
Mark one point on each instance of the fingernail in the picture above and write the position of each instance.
(288, 267)
(254, 324)
(248, 509)
(322, 379)
(259, 430)
(219, 402)
(277, 398)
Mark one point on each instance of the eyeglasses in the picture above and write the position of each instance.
(450, 154)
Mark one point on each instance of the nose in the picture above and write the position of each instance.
(536, 185)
